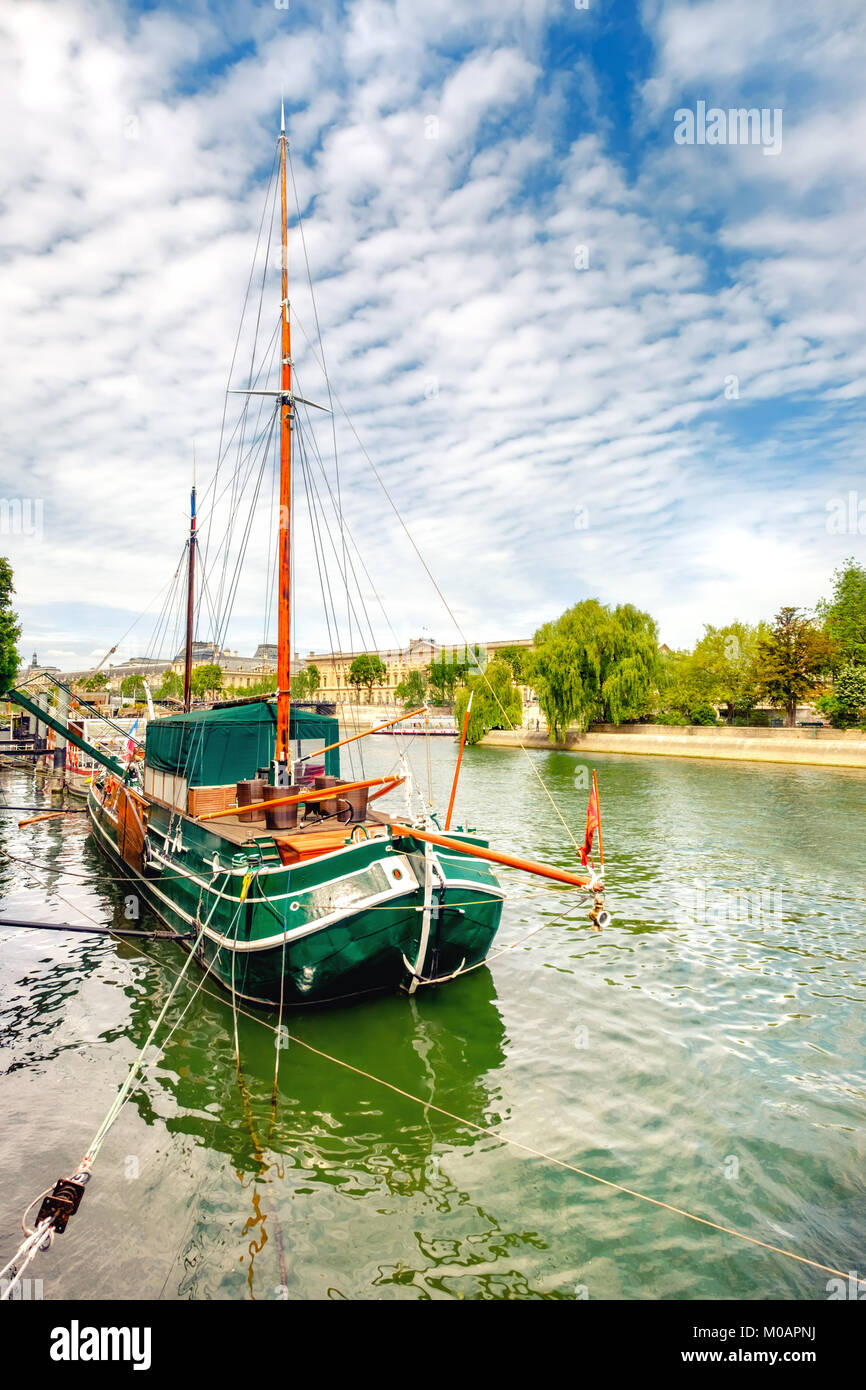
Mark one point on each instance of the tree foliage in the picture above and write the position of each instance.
(133, 687)
(10, 629)
(595, 663)
(451, 671)
(721, 670)
(412, 691)
(496, 702)
(367, 670)
(304, 685)
(844, 616)
(845, 704)
(792, 656)
(170, 688)
(98, 681)
(206, 679)
(516, 659)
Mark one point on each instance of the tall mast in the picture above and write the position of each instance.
(190, 604)
(284, 637)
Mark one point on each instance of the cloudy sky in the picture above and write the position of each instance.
(586, 359)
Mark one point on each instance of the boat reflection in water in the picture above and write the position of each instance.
(321, 1161)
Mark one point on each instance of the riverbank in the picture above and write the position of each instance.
(815, 747)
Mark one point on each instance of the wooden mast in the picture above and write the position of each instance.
(190, 605)
(284, 636)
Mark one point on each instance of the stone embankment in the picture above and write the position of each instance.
(816, 747)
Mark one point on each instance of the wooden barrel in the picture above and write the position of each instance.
(281, 817)
(357, 802)
(251, 790)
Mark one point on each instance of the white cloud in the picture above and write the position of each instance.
(497, 386)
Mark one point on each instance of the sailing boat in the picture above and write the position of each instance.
(285, 880)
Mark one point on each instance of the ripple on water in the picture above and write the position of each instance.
(706, 1050)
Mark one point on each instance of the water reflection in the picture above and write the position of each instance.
(694, 1029)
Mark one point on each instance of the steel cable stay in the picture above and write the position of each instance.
(255, 459)
(315, 515)
(313, 300)
(213, 484)
(347, 563)
(328, 604)
(252, 378)
(465, 640)
(225, 617)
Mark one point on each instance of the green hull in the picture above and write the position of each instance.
(330, 929)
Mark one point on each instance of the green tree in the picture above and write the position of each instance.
(844, 616)
(684, 685)
(722, 670)
(450, 671)
(413, 690)
(133, 687)
(595, 663)
(845, 704)
(516, 659)
(171, 687)
(98, 681)
(792, 657)
(205, 679)
(10, 629)
(496, 702)
(304, 685)
(366, 671)
(264, 686)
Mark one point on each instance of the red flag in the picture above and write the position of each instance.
(593, 822)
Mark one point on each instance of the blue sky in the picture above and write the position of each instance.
(587, 360)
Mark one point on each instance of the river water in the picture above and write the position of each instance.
(706, 1050)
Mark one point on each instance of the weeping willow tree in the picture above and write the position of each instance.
(595, 663)
(496, 703)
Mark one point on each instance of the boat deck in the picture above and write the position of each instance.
(299, 842)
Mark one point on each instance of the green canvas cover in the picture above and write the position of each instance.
(212, 747)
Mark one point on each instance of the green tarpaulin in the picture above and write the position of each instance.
(213, 747)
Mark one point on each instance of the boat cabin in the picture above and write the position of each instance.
(218, 760)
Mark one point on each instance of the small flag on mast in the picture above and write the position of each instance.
(130, 745)
(593, 823)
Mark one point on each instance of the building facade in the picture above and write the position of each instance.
(334, 667)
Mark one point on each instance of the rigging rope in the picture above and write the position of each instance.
(380, 480)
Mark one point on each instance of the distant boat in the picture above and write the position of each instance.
(420, 728)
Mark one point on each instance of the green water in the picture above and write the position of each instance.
(706, 1050)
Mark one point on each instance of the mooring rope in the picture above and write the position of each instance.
(32, 1244)
(529, 1149)
(36, 1239)
(128, 1085)
(27, 1251)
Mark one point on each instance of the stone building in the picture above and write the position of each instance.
(333, 667)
